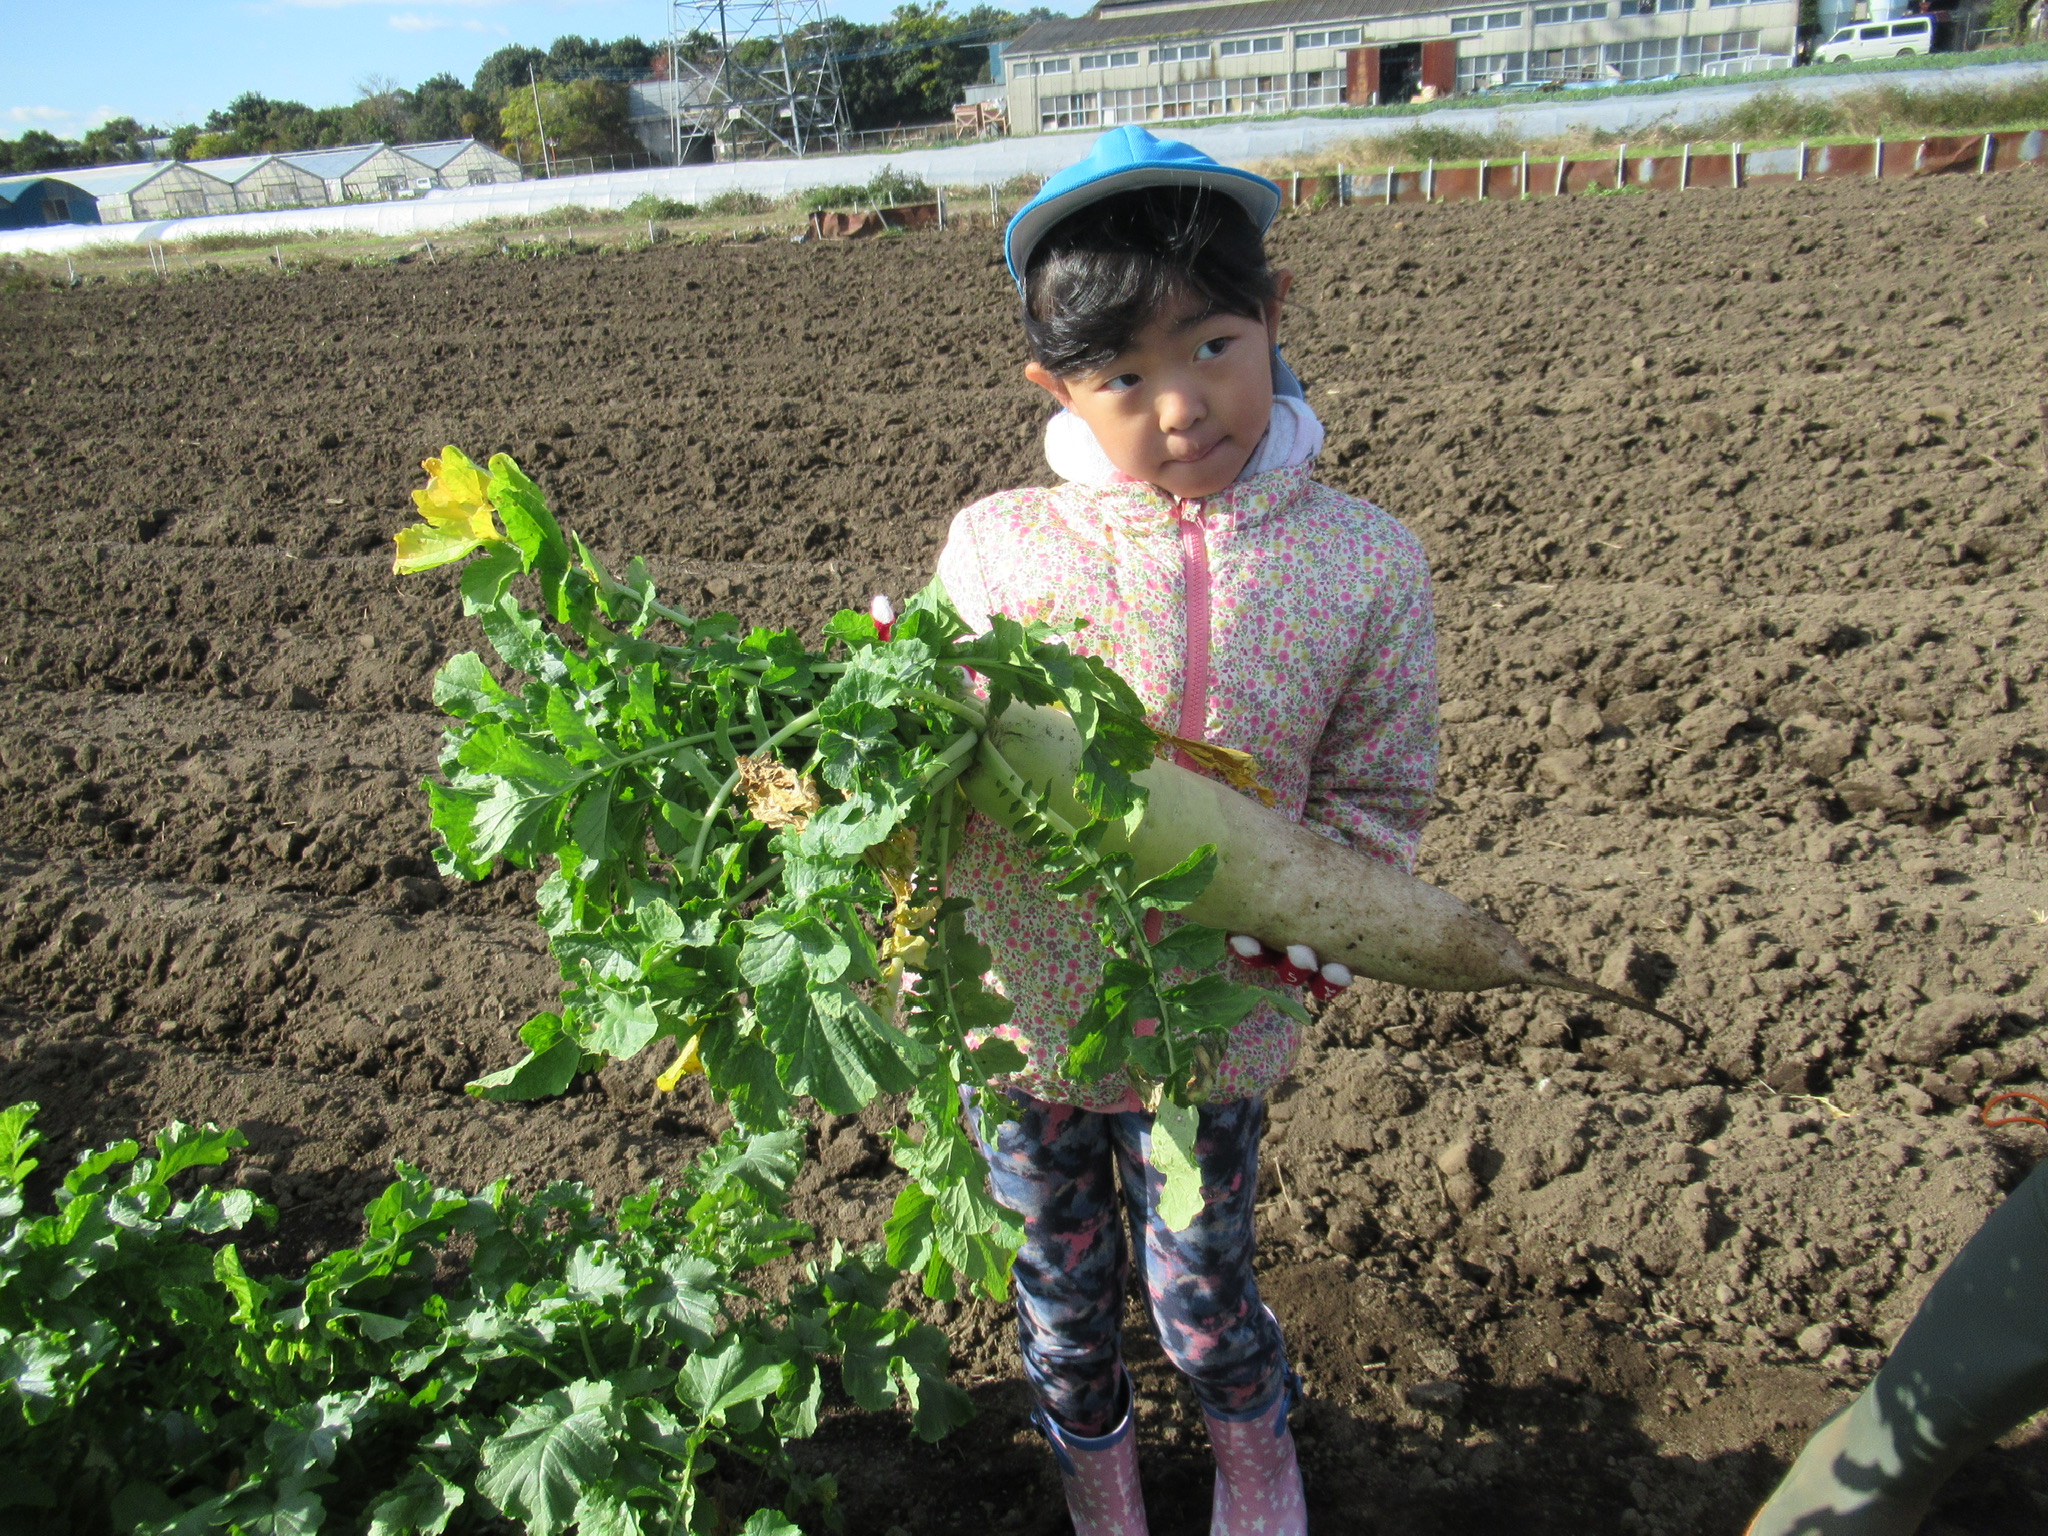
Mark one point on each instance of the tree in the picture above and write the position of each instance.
(117, 141)
(582, 117)
(445, 108)
(35, 150)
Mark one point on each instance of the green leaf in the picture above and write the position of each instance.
(572, 733)
(595, 1274)
(996, 1056)
(623, 1027)
(538, 1075)
(182, 1146)
(1190, 947)
(1180, 885)
(770, 1522)
(16, 1139)
(465, 689)
(485, 578)
(422, 1505)
(536, 1470)
(1173, 1154)
(712, 1386)
(591, 825)
(453, 812)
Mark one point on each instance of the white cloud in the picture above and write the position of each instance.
(59, 120)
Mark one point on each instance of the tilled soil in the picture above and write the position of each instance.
(1735, 502)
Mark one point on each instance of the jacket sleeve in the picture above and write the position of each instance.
(1372, 778)
(963, 575)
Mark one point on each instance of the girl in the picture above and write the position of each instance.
(1251, 607)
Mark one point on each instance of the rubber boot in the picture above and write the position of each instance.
(1099, 1474)
(1258, 1477)
(1973, 1364)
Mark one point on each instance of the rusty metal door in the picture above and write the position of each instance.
(1440, 65)
(1362, 77)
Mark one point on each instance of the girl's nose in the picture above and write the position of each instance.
(1180, 410)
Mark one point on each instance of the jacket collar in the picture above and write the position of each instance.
(1138, 507)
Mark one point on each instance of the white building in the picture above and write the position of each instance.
(1145, 61)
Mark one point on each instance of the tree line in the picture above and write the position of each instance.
(908, 69)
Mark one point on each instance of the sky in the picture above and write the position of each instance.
(68, 65)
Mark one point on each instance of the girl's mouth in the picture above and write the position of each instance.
(1197, 457)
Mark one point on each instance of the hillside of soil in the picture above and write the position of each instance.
(1736, 506)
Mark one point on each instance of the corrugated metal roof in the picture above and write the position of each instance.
(1134, 23)
(332, 163)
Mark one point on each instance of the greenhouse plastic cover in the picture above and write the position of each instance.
(988, 163)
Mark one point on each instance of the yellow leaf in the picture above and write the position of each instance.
(456, 509)
(422, 547)
(683, 1066)
(775, 796)
(1240, 770)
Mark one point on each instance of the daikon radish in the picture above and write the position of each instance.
(1277, 880)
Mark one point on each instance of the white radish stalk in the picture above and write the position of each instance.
(1275, 877)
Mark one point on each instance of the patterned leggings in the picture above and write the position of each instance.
(1053, 1166)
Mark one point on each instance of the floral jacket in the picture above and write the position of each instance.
(1279, 617)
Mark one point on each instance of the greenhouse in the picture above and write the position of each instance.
(363, 172)
(29, 202)
(267, 181)
(152, 189)
(462, 163)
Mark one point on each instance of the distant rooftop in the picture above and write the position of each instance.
(333, 163)
(1142, 20)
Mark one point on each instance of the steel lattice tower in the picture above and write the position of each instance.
(775, 84)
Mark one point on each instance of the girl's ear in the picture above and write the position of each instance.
(1283, 279)
(1050, 382)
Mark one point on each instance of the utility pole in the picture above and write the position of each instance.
(540, 123)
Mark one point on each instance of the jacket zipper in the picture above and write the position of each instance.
(1194, 565)
(1194, 683)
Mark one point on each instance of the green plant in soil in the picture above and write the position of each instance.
(577, 1371)
(747, 845)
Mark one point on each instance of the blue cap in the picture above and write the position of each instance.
(1124, 159)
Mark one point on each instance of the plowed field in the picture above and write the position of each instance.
(1736, 506)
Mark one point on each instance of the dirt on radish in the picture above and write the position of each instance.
(1736, 504)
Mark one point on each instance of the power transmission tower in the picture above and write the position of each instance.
(774, 86)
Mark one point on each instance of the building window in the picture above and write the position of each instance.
(1646, 59)
(1238, 45)
(1076, 111)
(1493, 21)
(1718, 48)
(1343, 37)
(1547, 14)
(1317, 88)
(1174, 53)
(1109, 60)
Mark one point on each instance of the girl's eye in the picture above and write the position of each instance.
(1214, 348)
(1120, 383)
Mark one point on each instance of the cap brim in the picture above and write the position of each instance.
(1257, 196)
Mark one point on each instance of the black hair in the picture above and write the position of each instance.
(1100, 275)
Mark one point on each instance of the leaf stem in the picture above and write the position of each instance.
(974, 717)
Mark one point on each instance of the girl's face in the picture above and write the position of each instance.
(1186, 405)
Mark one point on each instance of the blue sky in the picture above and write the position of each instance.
(67, 65)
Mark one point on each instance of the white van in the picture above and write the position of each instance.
(1878, 40)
